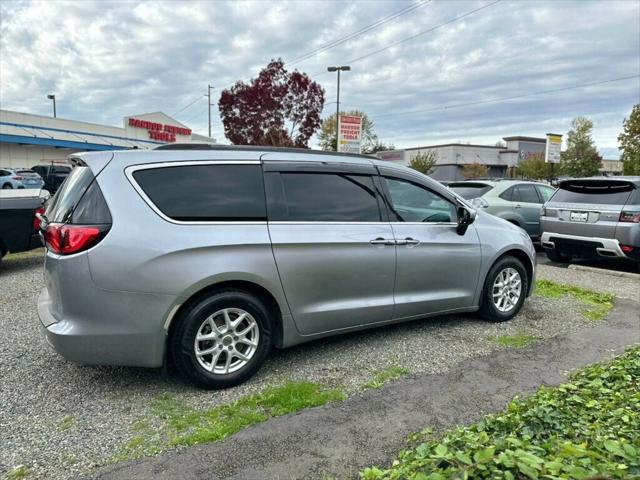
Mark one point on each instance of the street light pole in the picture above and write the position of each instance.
(343, 68)
(53, 97)
(209, 88)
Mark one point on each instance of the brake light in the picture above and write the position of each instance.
(36, 220)
(68, 239)
(626, 248)
(628, 216)
(18, 177)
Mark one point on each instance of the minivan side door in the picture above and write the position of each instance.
(437, 269)
(332, 243)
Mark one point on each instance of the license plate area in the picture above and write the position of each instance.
(579, 217)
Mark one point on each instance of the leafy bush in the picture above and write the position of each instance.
(587, 428)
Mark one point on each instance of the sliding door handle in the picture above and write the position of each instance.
(410, 241)
(382, 241)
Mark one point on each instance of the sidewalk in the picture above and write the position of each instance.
(338, 440)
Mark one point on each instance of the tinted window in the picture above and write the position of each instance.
(545, 192)
(4, 173)
(414, 203)
(206, 192)
(594, 192)
(327, 197)
(470, 190)
(60, 169)
(525, 193)
(68, 195)
(92, 208)
(507, 194)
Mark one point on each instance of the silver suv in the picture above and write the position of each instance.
(208, 257)
(593, 217)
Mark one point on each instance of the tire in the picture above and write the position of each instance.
(491, 311)
(556, 256)
(221, 368)
(7, 186)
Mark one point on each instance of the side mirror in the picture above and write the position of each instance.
(465, 218)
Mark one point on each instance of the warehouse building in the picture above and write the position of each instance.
(27, 140)
(452, 157)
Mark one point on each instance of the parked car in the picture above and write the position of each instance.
(517, 201)
(11, 178)
(53, 175)
(19, 226)
(209, 256)
(593, 217)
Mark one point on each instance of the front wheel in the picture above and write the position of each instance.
(222, 340)
(504, 291)
(7, 186)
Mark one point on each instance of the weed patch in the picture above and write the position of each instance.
(587, 428)
(518, 340)
(598, 304)
(383, 376)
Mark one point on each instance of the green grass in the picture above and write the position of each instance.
(66, 423)
(587, 428)
(598, 304)
(519, 340)
(386, 375)
(184, 425)
(18, 473)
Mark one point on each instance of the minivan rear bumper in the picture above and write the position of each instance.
(81, 342)
(605, 247)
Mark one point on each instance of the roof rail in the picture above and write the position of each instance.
(255, 148)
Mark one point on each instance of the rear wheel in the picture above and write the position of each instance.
(505, 289)
(222, 340)
(556, 256)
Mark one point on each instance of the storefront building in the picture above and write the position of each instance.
(27, 140)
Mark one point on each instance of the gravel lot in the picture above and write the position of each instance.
(61, 420)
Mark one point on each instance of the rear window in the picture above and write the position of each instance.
(62, 204)
(206, 192)
(470, 190)
(593, 192)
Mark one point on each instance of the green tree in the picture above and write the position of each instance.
(629, 141)
(535, 167)
(370, 142)
(474, 170)
(425, 162)
(581, 158)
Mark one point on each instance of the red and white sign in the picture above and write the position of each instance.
(159, 131)
(349, 133)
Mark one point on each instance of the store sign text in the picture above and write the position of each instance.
(160, 131)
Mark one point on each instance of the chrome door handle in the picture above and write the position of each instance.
(410, 241)
(382, 241)
(518, 206)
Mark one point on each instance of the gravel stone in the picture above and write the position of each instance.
(62, 420)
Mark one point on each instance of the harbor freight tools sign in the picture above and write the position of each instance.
(159, 131)
(349, 134)
(552, 153)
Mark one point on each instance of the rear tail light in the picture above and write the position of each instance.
(479, 202)
(18, 177)
(628, 216)
(67, 239)
(36, 219)
(626, 248)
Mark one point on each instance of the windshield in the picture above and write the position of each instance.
(593, 192)
(470, 190)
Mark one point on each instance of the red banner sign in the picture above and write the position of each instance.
(160, 131)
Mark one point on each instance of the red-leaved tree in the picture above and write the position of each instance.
(277, 108)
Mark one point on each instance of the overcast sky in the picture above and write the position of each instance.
(105, 60)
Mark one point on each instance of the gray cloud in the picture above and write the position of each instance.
(105, 60)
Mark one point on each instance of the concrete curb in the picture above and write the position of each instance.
(338, 440)
(603, 271)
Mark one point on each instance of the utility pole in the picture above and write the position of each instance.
(338, 69)
(209, 88)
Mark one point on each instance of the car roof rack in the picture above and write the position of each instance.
(256, 148)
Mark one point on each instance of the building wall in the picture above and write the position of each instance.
(21, 156)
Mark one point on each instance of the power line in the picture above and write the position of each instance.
(503, 99)
(422, 33)
(187, 106)
(357, 33)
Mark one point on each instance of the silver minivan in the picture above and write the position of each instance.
(209, 256)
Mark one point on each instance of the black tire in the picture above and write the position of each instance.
(184, 336)
(7, 186)
(488, 309)
(556, 256)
